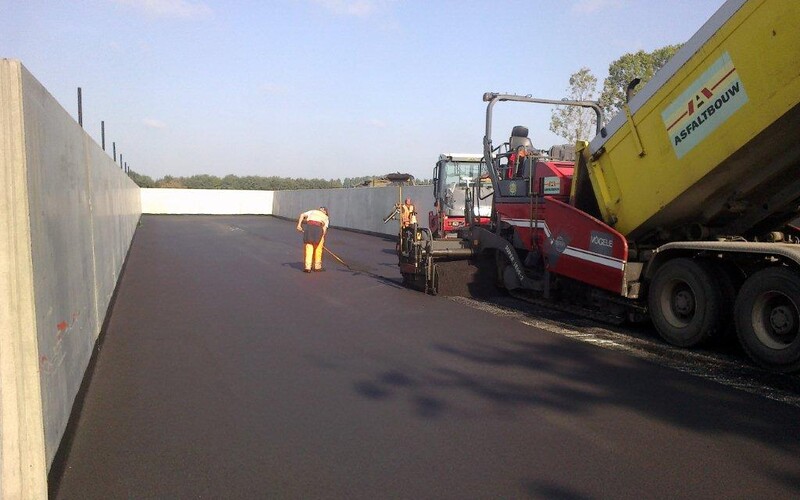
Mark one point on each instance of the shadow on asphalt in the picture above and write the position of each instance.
(578, 382)
(546, 489)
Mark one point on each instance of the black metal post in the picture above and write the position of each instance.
(80, 108)
(120, 161)
(114, 144)
(103, 134)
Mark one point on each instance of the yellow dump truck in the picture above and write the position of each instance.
(701, 174)
(681, 208)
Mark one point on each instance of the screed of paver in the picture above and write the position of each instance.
(227, 372)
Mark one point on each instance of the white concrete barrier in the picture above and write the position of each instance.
(67, 217)
(361, 209)
(206, 201)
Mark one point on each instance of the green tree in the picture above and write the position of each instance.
(621, 72)
(229, 182)
(170, 182)
(202, 182)
(250, 182)
(143, 181)
(571, 122)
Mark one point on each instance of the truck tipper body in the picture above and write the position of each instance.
(679, 209)
(711, 143)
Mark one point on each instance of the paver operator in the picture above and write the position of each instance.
(408, 214)
(313, 224)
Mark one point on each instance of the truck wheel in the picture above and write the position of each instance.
(685, 305)
(768, 318)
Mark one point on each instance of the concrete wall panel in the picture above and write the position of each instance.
(362, 209)
(206, 201)
(22, 450)
(116, 207)
(61, 247)
(357, 208)
(72, 214)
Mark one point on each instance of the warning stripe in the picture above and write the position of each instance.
(577, 253)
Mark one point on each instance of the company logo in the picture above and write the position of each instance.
(552, 185)
(602, 243)
(515, 263)
(560, 244)
(512, 188)
(705, 105)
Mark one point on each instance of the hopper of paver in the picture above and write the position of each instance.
(709, 147)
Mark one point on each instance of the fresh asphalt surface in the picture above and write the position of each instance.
(226, 372)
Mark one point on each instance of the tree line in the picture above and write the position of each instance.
(575, 124)
(255, 182)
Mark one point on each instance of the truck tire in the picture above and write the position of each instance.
(768, 318)
(684, 302)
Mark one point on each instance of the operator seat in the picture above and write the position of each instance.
(518, 142)
(519, 139)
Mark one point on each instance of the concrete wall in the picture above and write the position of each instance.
(357, 208)
(206, 201)
(362, 209)
(67, 217)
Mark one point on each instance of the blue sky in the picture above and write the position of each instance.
(321, 88)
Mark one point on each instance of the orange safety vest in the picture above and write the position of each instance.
(407, 215)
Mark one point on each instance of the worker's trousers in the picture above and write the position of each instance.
(313, 243)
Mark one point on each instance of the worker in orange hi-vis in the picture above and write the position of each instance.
(313, 224)
(408, 214)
